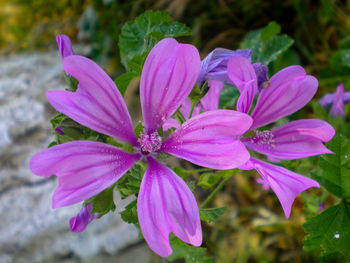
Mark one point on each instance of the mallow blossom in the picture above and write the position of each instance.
(337, 100)
(287, 91)
(85, 168)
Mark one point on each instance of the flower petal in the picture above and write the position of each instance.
(83, 168)
(290, 89)
(165, 204)
(261, 74)
(337, 108)
(242, 74)
(211, 100)
(64, 46)
(97, 103)
(286, 184)
(84, 217)
(170, 123)
(296, 139)
(168, 76)
(211, 139)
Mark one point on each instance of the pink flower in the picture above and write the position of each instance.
(288, 91)
(85, 168)
(337, 100)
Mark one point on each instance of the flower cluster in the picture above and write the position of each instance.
(211, 137)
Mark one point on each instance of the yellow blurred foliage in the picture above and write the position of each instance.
(35, 23)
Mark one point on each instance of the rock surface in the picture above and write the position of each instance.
(30, 231)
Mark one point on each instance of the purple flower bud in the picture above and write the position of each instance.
(64, 46)
(83, 218)
(337, 108)
(59, 130)
(214, 66)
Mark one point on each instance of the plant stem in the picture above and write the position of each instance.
(199, 170)
(192, 107)
(216, 190)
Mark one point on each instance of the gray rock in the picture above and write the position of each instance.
(30, 230)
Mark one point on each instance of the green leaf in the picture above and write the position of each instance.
(345, 54)
(136, 63)
(270, 31)
(72, 82)
(330, 231)
(191, 185)
(335, 174)
(124, 80)
(208, 180)
(130, 183)
(266, 46)
(129, 214)
(183, 173)
(139, 36)
(103, 202)
(190, 253)
(344, 43)
(211, 214)
(197, 93)
(339, 63)
(57, 120)
(228, 96)
(138, 129)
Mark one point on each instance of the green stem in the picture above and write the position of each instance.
(198, 170)
(192, 107)
(216, 190)
(180, 118)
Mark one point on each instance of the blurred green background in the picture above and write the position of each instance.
(253, 229)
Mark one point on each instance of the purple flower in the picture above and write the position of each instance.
(85, 168)
(83, 218)
(214, 66)
(288, 91)
(64, 46)
(337, 108)
(328, 99)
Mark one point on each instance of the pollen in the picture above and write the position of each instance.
(263, 138)
(150, 142)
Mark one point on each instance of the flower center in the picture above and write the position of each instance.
(149, 142)
(263, 138)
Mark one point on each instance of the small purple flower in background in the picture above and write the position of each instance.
(337, 100)
(214, 66)
(83, 218)
(328, 99)
(337, 108)
(288, 91)
(85, 168)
